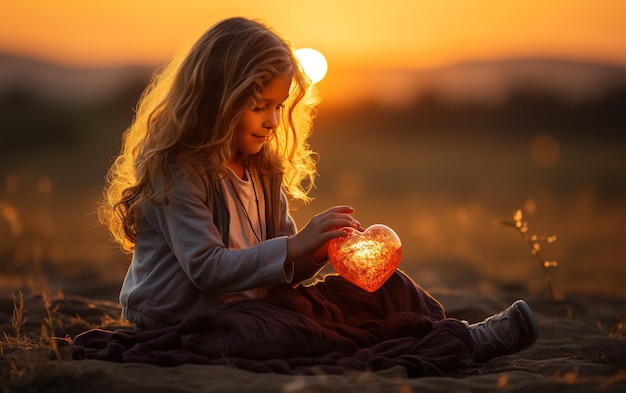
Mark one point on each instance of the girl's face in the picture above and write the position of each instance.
(258, 123)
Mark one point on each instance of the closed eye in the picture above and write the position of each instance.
(264, 107)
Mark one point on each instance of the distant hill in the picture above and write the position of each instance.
(490, 81)
(486, 82)
(74, 84)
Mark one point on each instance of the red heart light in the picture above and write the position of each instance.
(366, 259)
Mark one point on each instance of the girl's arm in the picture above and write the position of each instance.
(183, 232)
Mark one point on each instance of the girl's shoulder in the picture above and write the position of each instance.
(189, 171)
(186, 180)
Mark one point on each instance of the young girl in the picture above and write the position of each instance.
(199, 195)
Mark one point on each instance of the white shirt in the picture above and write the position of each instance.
(247, 221)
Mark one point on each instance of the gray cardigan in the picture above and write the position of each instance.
(181, 261)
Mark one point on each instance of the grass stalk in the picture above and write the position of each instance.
(533, 242)
(17, 318)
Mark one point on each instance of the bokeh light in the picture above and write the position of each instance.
(544, 150)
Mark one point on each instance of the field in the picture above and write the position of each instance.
(443, 177)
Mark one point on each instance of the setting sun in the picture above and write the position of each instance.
(313, 62)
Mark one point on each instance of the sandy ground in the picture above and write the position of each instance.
(581, 348)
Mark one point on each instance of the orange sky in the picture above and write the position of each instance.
(388, 33)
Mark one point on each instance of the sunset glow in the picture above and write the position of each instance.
(396, 33)
(370, 47)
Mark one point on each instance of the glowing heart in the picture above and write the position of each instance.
(366, 259)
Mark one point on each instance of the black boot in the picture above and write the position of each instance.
(505, 333)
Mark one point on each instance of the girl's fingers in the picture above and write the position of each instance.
(341, 209)
(329, 235)
(339, 232)
(340, 213)
(336, 223)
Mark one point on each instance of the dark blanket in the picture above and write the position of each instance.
(331, 327)
(260, 337)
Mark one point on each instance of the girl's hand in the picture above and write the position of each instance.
(313, 238)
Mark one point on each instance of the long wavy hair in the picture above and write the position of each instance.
(188, 114)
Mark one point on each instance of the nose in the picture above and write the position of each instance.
(272, 121)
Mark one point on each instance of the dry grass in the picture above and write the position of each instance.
(619, 331)
(30, 355)
(17, 320)
(534, 243)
